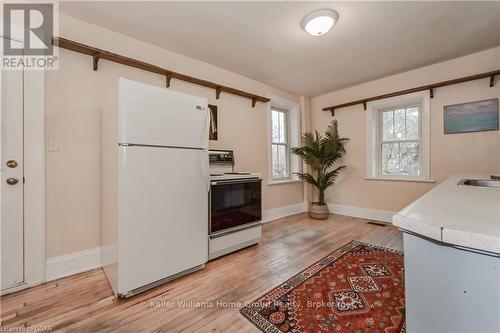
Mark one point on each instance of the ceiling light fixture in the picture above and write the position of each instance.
(319, 22)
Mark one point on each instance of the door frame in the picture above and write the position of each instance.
(34, 174)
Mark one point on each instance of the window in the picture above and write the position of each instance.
(284, 133)
(400, 141)
(398, 138)
(280, 150)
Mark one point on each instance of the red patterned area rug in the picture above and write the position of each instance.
(357, 288)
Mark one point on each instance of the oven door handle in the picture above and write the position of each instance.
(225, 232)
(239, 181)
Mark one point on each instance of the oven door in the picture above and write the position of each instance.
(235, 205)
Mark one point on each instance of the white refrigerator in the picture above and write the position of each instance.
(161, 223)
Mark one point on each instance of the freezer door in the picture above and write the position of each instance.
(152, 115)
(163, 213)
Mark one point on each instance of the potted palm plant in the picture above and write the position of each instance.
(320, 152)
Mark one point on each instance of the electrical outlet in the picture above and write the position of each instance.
(53, 146)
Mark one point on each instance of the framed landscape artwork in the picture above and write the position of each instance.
(213, 130)
(471, 117)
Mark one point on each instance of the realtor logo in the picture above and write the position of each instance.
(37, 23)
(27, 36)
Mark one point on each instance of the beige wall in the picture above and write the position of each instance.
(77, 97)
(472, 152)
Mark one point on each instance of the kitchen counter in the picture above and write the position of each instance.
(451, 240)
(466, 216)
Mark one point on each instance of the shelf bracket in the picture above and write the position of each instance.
(492, 80)
(95, 60)
(168, 77)
(364, 105)
(332, 110)
(254, 100)
(431, 92)
(217, 92)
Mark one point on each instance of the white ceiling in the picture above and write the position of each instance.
(264, 40)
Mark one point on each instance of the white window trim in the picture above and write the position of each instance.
(421, 98)
(293, 132)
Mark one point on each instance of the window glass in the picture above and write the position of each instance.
(389, 158)
(409, 158)
(400, 145)
(412, 123)
(399, 124)
(275, 121)
(387, 125)
(280, 145)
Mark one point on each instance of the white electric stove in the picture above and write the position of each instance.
(235, 206)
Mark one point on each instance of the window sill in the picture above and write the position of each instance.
(400, 179)
(285, 181)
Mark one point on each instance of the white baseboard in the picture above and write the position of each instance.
(361, 212)
(19, 288)
(73, 263)
(277, 213)
(58, 267)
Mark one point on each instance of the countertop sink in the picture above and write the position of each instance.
(479, 183)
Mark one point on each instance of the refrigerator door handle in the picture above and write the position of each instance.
(205, 170)
(207, 130)
(158, 146)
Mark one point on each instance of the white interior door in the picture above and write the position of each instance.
(12, 188)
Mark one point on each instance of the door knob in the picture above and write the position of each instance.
(12, 181)
(11, 163)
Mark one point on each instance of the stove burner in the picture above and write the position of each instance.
(216, 174)
(236, 173)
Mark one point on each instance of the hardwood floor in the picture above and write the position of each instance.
(84, 302)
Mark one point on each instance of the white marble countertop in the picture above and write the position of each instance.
(460, 215)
